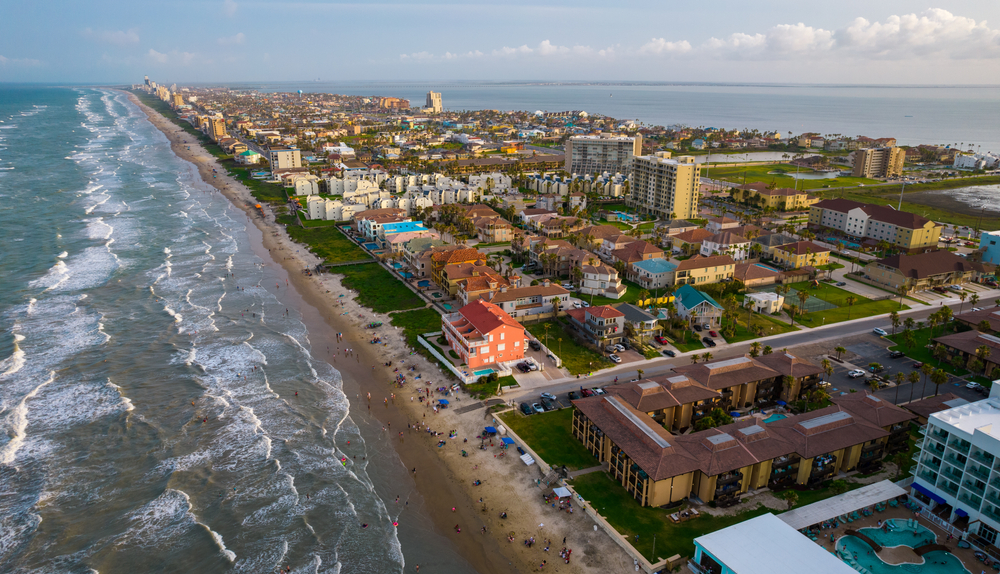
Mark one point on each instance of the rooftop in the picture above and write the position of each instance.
(655, 266)
(972, 417)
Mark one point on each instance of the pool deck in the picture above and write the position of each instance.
(902, 554)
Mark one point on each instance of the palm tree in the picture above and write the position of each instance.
(694, 358)
(803, 297)
(974, 299)
(962, 295)
(840, 351)
(792, 310)
(850, 300)
(913, 377)
(827, 368)
(706, 356)
(639, 372)
(643, 295)
(939, 377)
(894, 317)
(909, 324)
(873, 384)
(546, 328)
(983, 353)
(901, 291)
(755, 349)
(900, 377)
(984, 326)
(767, 350)
(926, 370)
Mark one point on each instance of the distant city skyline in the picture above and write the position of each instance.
(850, 42)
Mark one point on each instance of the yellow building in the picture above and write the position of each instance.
(721, 464)
(667, 188)
(879, 162)
(701, 270)
(801, 254)
(216, 129)
(907, 231)
(780, 199)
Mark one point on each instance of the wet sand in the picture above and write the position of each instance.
(443, 479)
(946, 200)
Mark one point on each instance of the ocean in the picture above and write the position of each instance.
(148, 416)
(958, 116)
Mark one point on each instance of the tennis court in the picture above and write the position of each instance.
(812, 303)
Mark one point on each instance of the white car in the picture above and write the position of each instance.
(973, 386)
(620, 348)
(856, 373)
(577, 304)
(955, 288)
(548, 396)
(879, 332)
(615, 358)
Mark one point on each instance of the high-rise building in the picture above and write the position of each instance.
(284, 159)
(663, 186)
(434, 102)
(601, 153)
(879, 162)
(216, 129)
(178, 100)
(146, 78)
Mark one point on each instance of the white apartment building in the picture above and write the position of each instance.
(665, 187)
(977, 161)
(331, 209)
(726, 243)
(603, 280)
(434, 104)
(958, 468)
(306, 185)
(284, 158)
(601, 153)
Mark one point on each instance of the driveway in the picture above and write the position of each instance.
(863, 289)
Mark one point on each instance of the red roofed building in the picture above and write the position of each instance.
(603, 325)
(483, 335)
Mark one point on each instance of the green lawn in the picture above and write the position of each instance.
(488, 389)
(631, 295)
(576, 358)
(920, 352)
(782, 176)
(377, 288)
(618, 224)
(262, 190)
(837, 296)
(620, 509)
(315, 222)
(770, 326)
(693, 343)
(418, 322)
(648, 226)
(551, 436)
(329, 243)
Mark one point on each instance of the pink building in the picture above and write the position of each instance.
(483, 335)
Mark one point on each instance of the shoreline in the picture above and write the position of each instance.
(443, 482)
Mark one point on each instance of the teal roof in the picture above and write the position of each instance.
(655, 266)
(249, 152)
(691, 297)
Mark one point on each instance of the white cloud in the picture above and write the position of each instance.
(662, 46)
(546, 48)
(934, 31)
(174, 57)
(232, 40)
(117, 37)
(157, 56)
(5, 61)
(229, 8)
(417, 56)
(505, 51)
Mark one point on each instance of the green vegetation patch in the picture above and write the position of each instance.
(551, 436)
(620, 509)
(576, 358)
(920, 352)
(328, 243)
(377, 288)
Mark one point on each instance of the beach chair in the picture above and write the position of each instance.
(893, 503)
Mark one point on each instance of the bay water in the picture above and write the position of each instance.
(148, 412)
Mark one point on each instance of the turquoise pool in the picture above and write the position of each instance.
(853, 550)
(775, 417)
(483, 372)
(900, 534)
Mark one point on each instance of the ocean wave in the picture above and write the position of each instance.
(55, 276)
(17, 422)
(15, 361)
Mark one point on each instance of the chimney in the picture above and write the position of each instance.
(545, 282)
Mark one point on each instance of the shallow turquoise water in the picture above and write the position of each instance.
(775, 417)
(900, 535)
(937, 562)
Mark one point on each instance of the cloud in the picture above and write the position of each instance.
(933, 31)
(229, 8)
(117, 37)
(662, 46)
(505, 51)
(174, 57)
(232, 40)
(5, 61)
(417, 56)
(157, 56)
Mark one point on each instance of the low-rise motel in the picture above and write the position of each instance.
(628, 429)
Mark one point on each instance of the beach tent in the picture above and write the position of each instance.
(490, 430)
(562, 492)
(443, 402)
(507, 441)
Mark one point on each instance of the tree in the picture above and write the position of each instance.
(850, 300)
(787, 384)
(840, 351)
(755, 349)
(982, 354)
(984, 326)
(894, 317)
(939, 377)
(546, 328)
(957, 362)
(962, 295)
(694, 358)
(706, 356)
(940, 353)
(902, 290)
(827, 368)
(873, 384)
(974, 299)
(767, 350)
(909, 340)
(909, 324)
(926, 370)
(643, 295)
(639, 372)
(900, 377)
(914, 378)
(792, 310)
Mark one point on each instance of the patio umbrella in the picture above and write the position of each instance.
(443, 401)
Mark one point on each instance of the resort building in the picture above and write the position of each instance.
(973, 345)
(701, 270)
(483, 335)
(248, 157)
(590, 154)
(957, 476)
(780, 199)
(652, 273)
(865, 221)
(879, 162)
(697, 307)
(602, 280)
(434, 105)
(720, 464)
(726, 243)
(284, 159)
(801, 254)
(922, 271)
(663, 187)
(975, 318)
(601, 326)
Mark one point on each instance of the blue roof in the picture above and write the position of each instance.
(691, 297)
(655, 265)
(403, 227)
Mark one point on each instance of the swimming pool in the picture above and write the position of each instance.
(847, 244)
(775, 417)
(762, 266)
(483, 372)
(397, 265)
(371, 246)
(423, 283)
(446, 306)
(855, 551)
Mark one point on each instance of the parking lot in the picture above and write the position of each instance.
(548, 401)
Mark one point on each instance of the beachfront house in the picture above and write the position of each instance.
(697, 307)
(484, 336)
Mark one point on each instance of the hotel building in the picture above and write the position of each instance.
(664, 187)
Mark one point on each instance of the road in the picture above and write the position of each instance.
(842, 333)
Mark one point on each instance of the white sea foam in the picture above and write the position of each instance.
(63, 255)
(125, 400)
(17, 422)
(15, 361)
(177, 317)
(55, 276)
(31, 305)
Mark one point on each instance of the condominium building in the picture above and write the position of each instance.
(601, 153)
(216, 129)
(483, 335)
(664, 187)
(957, 475)
(284, 158)
(879, 162)
(720, 464)
(434, 102)
(859, 221)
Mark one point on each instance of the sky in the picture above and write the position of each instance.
(761, 41)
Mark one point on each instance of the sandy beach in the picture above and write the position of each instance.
(443, 478)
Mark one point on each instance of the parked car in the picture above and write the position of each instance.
(977, 308)
(955, 288)
(526, 409)
(523, 367)
(669, 353)
(660, 339)
(713, 333)
(896, 354)
(879, 332)
(877, 368)
(619, 348)
(571, 395)
(586, 393)
(708, 341)
(615, 358)
(841, 284)
(823, 384)
(940, 290)
(548, 396)
(917, 364)
(537, 408)
(706, 326)
(548, 405)
(598, 391)
(856, 373)
(577, 304)
(585, 304)
(532, 366)
(974, 386)
(697, 328)
(534, 345)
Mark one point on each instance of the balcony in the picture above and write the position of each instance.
(971, 487)
(928, 475)
(934, 448)
(961, 446)
(938, 434)
(931, 463)
(983, 458)
(970, 499)
(728, 489)
(978, 471)
(948, 486)
(951, 473)
(728, 478)
(993, 497)
(992, 512)
(956, 460)
(870, 447)
(783, 461)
